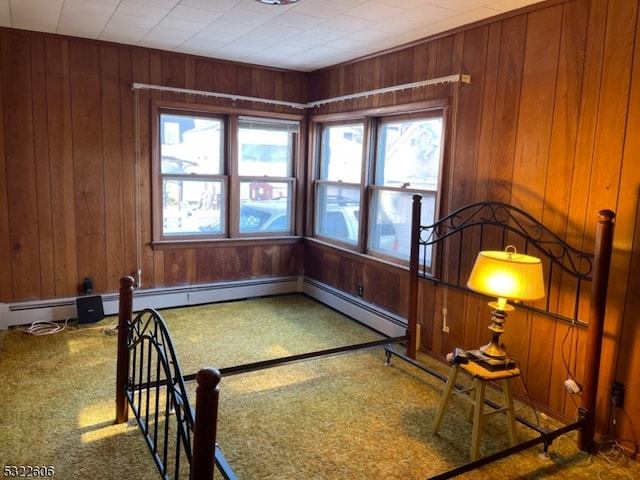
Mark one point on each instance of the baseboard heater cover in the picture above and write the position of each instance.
(26, 313)
(383, 321)
(366, 313)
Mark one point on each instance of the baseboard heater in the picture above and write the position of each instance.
(26, 313)
(381, 320)
(377, 318)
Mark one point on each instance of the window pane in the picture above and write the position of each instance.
(266, 147)
(264, 216)
(261, 190)
(190, 144)
(341, 154)
(338, 212)
(409, 153)
(390, 233)
(191, 207)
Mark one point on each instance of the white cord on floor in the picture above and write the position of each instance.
(44, 328)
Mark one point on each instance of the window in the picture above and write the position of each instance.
(208, 187)
(407, 161)
(192, 174)
(364, 195)
(338, 188)
(266, 154)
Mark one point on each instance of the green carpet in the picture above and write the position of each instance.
(344, 417)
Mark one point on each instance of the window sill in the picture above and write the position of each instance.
(223, 242)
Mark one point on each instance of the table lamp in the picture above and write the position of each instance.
(507, 275)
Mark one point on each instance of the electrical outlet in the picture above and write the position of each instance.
(360, 289)
(617, 394)
(572, 386)
(445, 327)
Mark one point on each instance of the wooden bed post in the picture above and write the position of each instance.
(125, 313)
(414, 260)
(206, 420)
(595, 330)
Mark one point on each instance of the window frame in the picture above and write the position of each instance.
(372, 118)
(229, 173)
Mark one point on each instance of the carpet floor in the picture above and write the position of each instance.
(344, 417)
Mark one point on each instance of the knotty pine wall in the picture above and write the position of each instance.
(547, 123)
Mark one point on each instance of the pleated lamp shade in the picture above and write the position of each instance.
(507, 275)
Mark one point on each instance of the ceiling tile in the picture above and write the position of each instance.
(306, 36)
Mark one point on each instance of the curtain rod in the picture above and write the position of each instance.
(145, 86)
(433, 81)
(301, 106)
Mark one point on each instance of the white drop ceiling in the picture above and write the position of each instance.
(305, 36)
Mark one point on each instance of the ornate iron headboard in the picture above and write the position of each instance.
(496, 225)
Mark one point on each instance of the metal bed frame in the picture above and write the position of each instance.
(150, 383)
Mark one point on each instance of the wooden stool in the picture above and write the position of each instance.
(475, 395)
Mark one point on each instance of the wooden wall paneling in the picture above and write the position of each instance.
(426, 313)
(312, 260)
(431, 60)
(466, 160)
(445, 64)
(580, 218)
(227, 78)
(348, 273)
(263, 86)
(190, 77)
(506, 110)
(536, 106)
(244, 80)
(278, 91)
(270, 261)
(374, 81)
(404, 74)
(6, 279)
(419, 69)
(147, 124)
(460, 187)
(205, 265)
(114, 180)
(534, 122)
(627, 244)
(463, 315)
(206, 74)
(387, 78)
(172, 74)
(296, 87)
(150, 261)
(88, 161)
(290, 259)
(605, 181)
(566, 114)
(558, 182)
(350, 83)
(60, 130)
(381, 287)
(234, 262)
(21, 166)
(489, 78)
(175, 267)
(129, 163)
(42, 167)
(463, 162)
